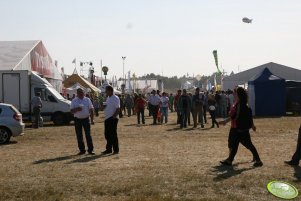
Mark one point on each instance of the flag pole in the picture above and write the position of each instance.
(100, 72)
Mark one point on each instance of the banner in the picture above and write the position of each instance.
(42, 63)
(216, 61)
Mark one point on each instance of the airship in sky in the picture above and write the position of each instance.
(247, 20)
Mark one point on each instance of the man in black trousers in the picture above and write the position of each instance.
(111, 121)
(82, 109)
(297, 155)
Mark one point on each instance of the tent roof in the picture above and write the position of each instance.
(75, 78)
(279, 70)
(75, 86)
(141, 84)
(13, 52)
(264, 76)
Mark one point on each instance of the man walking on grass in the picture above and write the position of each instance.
(154, 101)
(184, 106)
(176, 104)
(197, 108)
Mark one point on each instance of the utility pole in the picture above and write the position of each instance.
(123, 58)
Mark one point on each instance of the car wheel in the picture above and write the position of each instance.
(5, 135)
(59, 119)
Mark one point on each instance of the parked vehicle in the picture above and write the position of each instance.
(11, 123)
(18, 88)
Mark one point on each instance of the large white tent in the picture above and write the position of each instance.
(31, 56)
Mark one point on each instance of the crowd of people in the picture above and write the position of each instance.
(191, 109)
(229, 105)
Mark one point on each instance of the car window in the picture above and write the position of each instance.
(0, 110)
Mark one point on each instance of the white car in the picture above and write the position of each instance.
(11, 123)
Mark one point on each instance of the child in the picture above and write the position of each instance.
(211, 104)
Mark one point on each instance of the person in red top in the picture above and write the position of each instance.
(177, 97)
(241, 121)
(140, 105)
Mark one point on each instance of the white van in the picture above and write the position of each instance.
(18, 88)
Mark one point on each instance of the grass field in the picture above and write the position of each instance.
(155, 163)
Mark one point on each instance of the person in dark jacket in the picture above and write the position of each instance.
(241, 122)
(197, 108)
(176, 104)
(36, 103)
(184, 107)
(129, 104)
(121, 106)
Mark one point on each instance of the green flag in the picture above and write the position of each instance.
(216, 61)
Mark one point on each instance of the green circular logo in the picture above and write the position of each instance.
(282, 190)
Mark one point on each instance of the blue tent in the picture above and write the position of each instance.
(267, 94)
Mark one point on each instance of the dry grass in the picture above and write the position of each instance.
(155, 163)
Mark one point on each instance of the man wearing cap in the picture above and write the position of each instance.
(154, 101)
(82, 109)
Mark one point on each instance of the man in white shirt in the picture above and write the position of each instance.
(154, 101)
(82, 109)
(111, 121)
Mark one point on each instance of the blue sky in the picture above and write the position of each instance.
(173, 37)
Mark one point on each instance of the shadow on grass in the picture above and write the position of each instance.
(174, 129)
(206, 129)
(60, 158)
(188, 129)
(141, 125)
(29, 126)
(9, 143)
(225, 172)
(173, 124)
(52, 125)
(128, 125)
(90, 158)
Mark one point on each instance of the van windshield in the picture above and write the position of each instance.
(56, 93)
